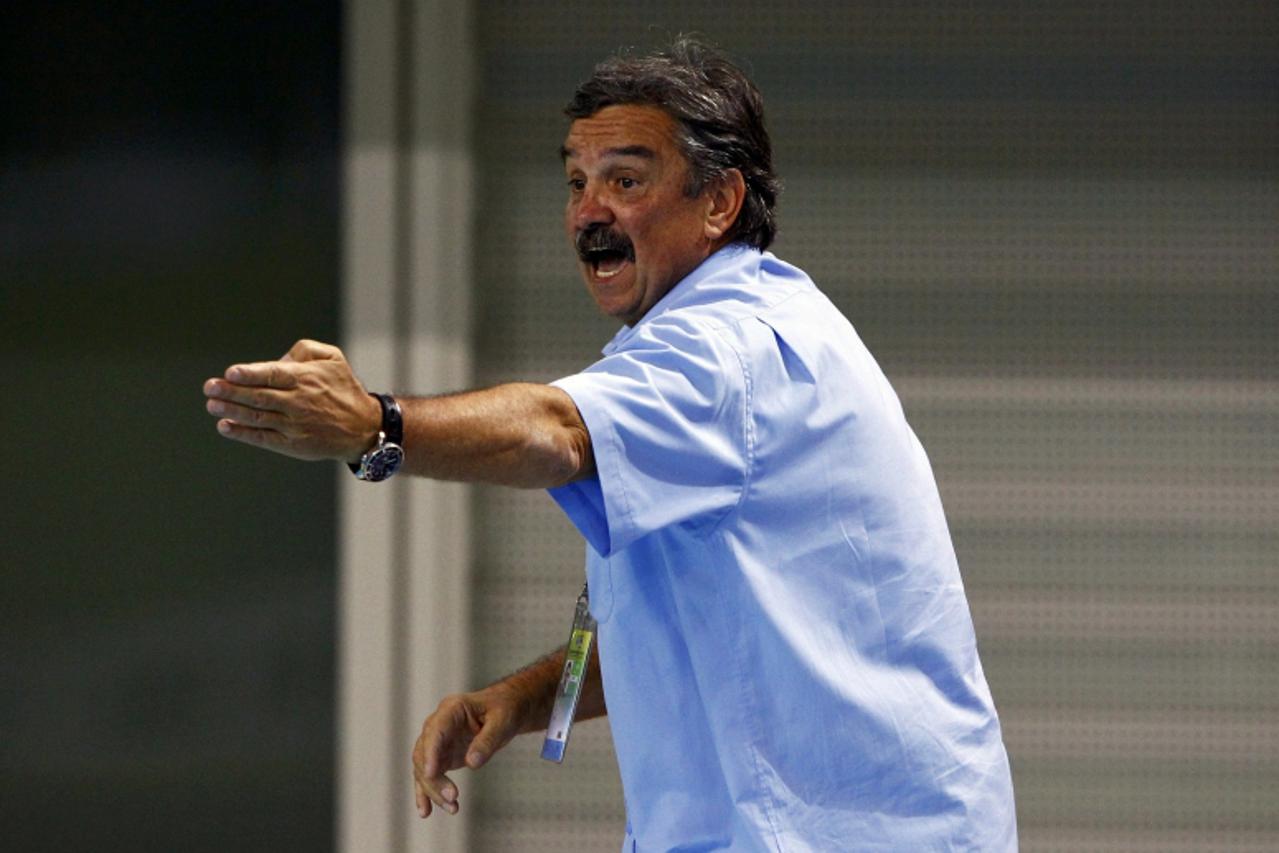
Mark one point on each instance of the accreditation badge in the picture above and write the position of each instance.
(570, 687)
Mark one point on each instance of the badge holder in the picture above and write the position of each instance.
(570, 686)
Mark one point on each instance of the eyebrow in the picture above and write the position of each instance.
(624, 151)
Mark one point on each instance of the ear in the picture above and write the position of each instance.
(723, 202)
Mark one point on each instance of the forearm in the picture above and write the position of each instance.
(520, 434)
(536, 684)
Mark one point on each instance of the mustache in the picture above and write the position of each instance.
(595, 240)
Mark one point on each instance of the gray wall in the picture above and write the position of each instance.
(1054, 225)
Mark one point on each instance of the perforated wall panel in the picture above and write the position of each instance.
(1055, 226)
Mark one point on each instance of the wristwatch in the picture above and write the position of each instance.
(386, 456)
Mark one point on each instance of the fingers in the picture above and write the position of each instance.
(255, 420)
(264, 374)
(440, 793)
(432, 787)
(264, 438)
(252, 396)
(260, 418)
(281, 373)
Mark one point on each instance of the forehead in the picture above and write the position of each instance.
(621, 129)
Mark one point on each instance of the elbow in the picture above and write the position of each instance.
(567, 457)
(546, 459)
(579, 456)
(573, 458)
(556, 449)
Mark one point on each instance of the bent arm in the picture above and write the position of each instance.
(467, 728)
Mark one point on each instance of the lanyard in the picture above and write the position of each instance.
(570, 686)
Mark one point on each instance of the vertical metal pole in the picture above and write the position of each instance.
(404, 556)
(437, 547)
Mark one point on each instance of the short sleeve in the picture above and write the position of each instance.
(667, 415)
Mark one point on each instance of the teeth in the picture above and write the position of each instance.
(609, 266)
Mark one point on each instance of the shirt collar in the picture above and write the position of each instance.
(685, 291)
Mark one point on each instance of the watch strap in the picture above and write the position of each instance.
(392, 431)
(392, 419)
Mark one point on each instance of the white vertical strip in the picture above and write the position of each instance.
(404, 551)
(438, 549)
(367, 801)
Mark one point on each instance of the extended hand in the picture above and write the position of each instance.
(307, 405)
(465, 730)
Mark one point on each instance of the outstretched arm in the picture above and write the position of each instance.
(467, 728)
(310, 405)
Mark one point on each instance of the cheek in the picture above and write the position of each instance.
(666, 240)
(639, 230)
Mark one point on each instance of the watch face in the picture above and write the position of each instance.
(383, 462)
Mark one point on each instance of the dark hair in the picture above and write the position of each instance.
(720, 114)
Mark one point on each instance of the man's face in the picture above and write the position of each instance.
(635, 231)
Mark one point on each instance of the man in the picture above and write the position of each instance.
(785, 647)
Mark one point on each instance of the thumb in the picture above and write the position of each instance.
(495, 734)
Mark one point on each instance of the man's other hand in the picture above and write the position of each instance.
(308, 405)
(464, 731)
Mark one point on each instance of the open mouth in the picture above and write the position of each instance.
(606, 252)
(607, 263)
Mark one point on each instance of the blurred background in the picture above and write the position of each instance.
(169, 203)
(1054, 224)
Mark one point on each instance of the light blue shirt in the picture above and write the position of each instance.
(788, 657)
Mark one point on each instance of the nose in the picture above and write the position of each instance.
(589, 209)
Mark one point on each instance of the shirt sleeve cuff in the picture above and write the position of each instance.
(597, 504)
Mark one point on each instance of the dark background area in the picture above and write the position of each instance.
(169, 204)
